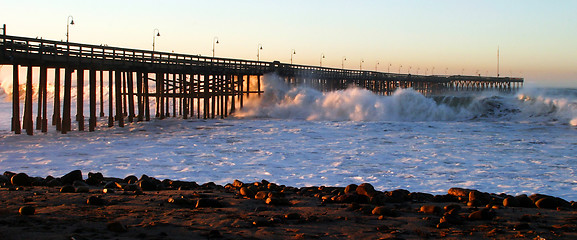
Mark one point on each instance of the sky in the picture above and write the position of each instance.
(536, 40)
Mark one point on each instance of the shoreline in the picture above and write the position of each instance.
(99, 207)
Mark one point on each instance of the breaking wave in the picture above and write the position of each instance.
(356, 104)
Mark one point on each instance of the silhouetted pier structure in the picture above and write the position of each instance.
(187, 86)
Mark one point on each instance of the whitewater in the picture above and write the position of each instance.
(515, 143)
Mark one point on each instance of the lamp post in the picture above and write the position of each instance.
(409, 71)
(322, 56)
(343, 62)
(155, 34)
(214, 41)
(293, 52)
(69, 21)
(259, 47)
(400, 66)
(389, 67)
(377, 67)
(361, 64)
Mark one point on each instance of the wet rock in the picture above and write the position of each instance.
(27, 210)
(70, 177)
(54, 182)
(95, 201)
(430, 209)
(351, 198)
(208, 203)
(454, 219)
(4, 179)
(21, 179)
(547, 203)
(351, 188)
(116, 227)
(397, 196)
(67, 189)
(179, 200)
(452, 207)
(366, 189)
(130, 187)
(79, 184)
(445, 198)
(9, 174)
(421, 197)
(384, 211)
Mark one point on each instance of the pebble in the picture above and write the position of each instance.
(21, 179)
(27, 210)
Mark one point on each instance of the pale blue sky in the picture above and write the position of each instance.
(537, 39)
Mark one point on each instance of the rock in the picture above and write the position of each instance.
(452, 207)
(130, 187)
(67, 189)
(547, 203)
(95, 200)
(421, 197)
(445, 198)
(261, 195)
(237, 184)
(244, 191)
(277, 201)
(94, 178)
(82, 189)
(511, 202)
(214, 234)
(451, 219)
(116, 227)
(21, 179)
(147, 185)
(112, 185)
(70, 177)
(54, 182)
(366, 189)
(459, 192)
(443, 225)
(351, 188)
(384, 211)
(430, 209)
(130, 179)
(4, 179)
(208, 203)
(27, 210)
(9, 174)
(479, 198)
(397, 196)
(483, 214)
(179, 201)
(79, 184)
(525, 201)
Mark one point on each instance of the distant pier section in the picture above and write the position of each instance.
(174, 85)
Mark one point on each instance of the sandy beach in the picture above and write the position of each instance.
(98, 207)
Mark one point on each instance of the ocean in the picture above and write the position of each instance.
(514, 143)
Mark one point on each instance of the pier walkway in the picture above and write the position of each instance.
(177, 85)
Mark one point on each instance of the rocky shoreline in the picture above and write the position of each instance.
(99, 207)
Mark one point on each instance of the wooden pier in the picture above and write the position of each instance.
(186, 86)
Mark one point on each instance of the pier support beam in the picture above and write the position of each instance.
(16, 100)
(28, 125)
(56, 120)
(92, 86)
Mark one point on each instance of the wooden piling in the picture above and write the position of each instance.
(110, 98)
(118, 90)
(56, 120)
(102, 93)
(16, 128)
(66, 115)
(92, 96)
(44, 90)
(40, 92)
(130, 87)
(80, 99)
(140, 97)
(146, 98)
(28, 125)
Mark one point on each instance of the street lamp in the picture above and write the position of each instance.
(343, 62)
(69, 21)
(214, 41)
(409, 71)
(293, 52)
(155, 34)
(401, 66)
(258, 48)
(361, 64)
(322, 56)
(389, 67)
(377, 67)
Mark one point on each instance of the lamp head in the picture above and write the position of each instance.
(158, 34)
(72, 22)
